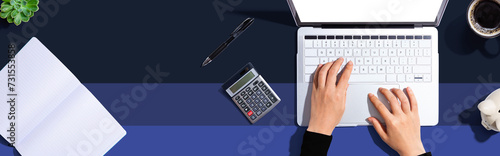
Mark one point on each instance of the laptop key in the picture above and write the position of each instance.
(367, 78)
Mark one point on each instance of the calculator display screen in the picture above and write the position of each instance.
(242, 82)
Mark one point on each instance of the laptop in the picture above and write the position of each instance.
(392, 43)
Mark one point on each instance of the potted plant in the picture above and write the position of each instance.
(17, 11)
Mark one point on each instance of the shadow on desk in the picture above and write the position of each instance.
(460, 38)
(380, 143)
(6, 143)
(296, 141)
(472, 117)
(4, 24)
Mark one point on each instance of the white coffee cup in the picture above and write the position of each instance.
(483, 17)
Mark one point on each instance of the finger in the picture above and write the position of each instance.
(380, 107)
(405, 104)
(323, 72)
(344, 79)
(332, 73)
(381, 130)
(413, 100)
(393, 101)
(315, 78)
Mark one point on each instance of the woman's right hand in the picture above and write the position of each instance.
(402, 126)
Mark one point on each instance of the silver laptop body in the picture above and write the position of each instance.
(393, 44)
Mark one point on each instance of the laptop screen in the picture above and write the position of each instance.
(367, 11)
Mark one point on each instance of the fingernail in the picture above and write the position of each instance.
(350, 62)
(340, 58)
(408, 89)
(370, 94)
(368, 120)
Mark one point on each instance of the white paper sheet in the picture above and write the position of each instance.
(55, 114)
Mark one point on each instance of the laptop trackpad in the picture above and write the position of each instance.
(358, 105)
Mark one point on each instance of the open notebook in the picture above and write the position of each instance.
(55, 114)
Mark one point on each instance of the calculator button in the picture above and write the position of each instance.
(256, 100)
(245, 97)
(262, 97)
(253, 117)
(263, 108)
(258, 93)
(261, 84)
(254, 96)
(249, 101)
(255, 109)
(252, 105)
(272, 98)
(246, 109)
(237, 97)
(248, 89)
(267, 92)
(243, 93)
(258, 112)
(250, 113)
(255, 83)
(250, 93)
(243, 106)
(259, 104)
(268, 104)
(264, 100)
(264, 88)
(240, 101)
(255, 88)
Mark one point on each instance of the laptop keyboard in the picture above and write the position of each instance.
(376, 58)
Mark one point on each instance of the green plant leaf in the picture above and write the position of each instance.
(13, 13)
(32, 7)
(10, 19)
(25, 18)
(35, 2)
(5, 3)
(17, 19)
(6, 8)
(26, 13)
(5, 14)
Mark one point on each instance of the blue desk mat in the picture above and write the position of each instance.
(286, 140)
(199, 104)
(195, 119)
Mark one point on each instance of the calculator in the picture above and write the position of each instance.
(251, 93)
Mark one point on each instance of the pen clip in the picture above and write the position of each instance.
(242, 27)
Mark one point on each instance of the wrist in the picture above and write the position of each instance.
(413, 152)
(321, 130)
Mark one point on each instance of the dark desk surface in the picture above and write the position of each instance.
(108, 45)
(113, 41)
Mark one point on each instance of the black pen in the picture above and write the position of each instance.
(237, 32)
